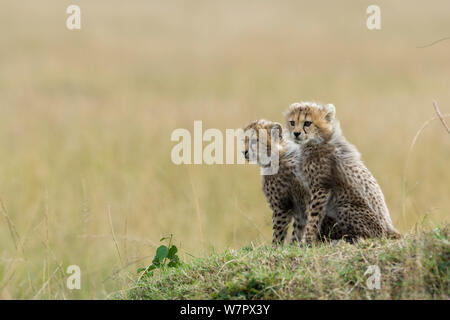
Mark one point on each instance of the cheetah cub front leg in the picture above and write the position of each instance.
(315, 213)
(298, 230)
(280, 225)
(319, 195)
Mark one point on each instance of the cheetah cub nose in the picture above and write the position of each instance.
(296, 134)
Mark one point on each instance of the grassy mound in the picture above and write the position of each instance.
(415, 267)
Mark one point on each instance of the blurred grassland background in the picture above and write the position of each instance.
(86, 118)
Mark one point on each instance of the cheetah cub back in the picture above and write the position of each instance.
(334, 176)
(284, 192)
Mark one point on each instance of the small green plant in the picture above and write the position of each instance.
(166, 257)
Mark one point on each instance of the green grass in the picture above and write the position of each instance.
(415, 267)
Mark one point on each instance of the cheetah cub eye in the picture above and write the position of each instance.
(292, 123)
(307, 123)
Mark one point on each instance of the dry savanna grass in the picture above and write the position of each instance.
(86, 116)
(415, 267)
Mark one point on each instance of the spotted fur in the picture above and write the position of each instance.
(284, 192)
(334, 177)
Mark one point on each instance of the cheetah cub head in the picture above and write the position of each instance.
(260, 136)
(310, 122)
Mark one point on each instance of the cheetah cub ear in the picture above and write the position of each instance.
(277, 127)
(330, 110)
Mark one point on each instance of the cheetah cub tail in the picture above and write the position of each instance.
(394, 234)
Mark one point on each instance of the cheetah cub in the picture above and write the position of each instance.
(284, 193)
(334, 176)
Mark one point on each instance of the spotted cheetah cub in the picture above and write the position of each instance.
(283, 191)
(334, 176)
